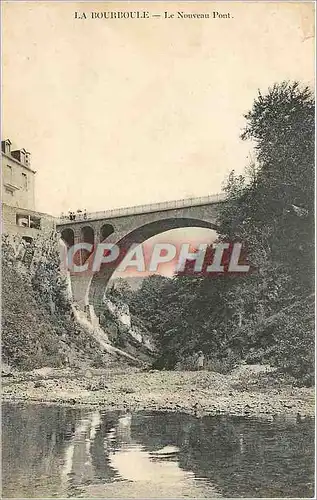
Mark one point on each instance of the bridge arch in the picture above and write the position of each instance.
(68, 236)
(87, 235)
(99, 281)
(105, 231)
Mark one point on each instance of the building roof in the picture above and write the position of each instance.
(18, 162)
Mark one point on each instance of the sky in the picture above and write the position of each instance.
(125, 112)
(176, 237)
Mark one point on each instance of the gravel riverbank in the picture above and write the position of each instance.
(246, 391)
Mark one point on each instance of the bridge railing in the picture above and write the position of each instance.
(141, 209)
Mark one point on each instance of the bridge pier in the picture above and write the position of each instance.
(80, 288)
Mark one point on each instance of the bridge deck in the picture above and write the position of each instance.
(143, 209)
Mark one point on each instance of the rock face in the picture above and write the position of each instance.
(63, 267)
(39, 327)
(124, 331)
(120, 311)
(41, 323)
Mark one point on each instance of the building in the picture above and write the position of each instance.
(18, 195)
(17, 177)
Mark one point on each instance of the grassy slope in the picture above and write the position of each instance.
(32, 337)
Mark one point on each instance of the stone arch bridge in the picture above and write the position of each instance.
(130, 225)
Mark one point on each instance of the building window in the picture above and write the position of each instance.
(22, 220)
(24, 181)
(9, 173)
(35, 222)
(28, 239)
(9, 191)
(25, 220)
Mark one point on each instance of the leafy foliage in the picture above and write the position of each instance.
(270, 208)
(37, 325)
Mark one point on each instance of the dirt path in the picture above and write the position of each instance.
(244, 392)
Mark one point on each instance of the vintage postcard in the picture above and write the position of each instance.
(158, 172)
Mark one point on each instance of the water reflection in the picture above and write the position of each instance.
(64, 452)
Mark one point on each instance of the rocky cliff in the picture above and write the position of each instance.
(126, 331)
(38, 324)
(41, 325)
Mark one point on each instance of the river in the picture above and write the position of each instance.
(57, 451)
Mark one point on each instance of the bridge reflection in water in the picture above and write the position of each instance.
(64, 452)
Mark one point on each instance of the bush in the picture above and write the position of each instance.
(223, 366)
(33, 335)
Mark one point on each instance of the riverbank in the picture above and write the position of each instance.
(246, 391)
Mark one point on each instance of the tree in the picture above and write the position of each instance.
(269, 209)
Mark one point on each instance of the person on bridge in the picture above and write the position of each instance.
(72, 215)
